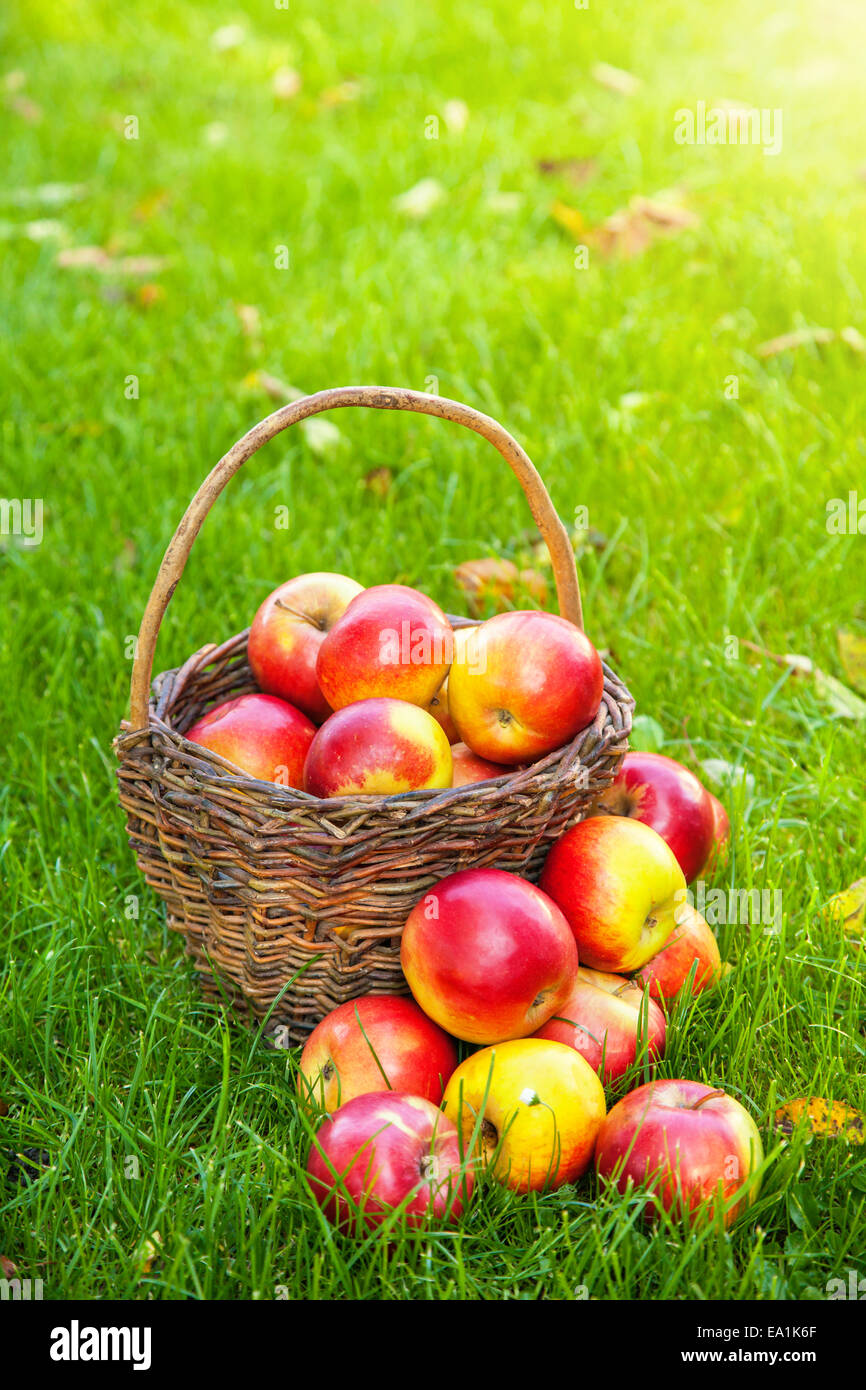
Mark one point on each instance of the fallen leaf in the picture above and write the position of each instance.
(13, 81)
(801, 337)
(322, 436)
(497, 582)
(4, 1109)
(726, 970)
(504, 201)
(98, 259)
(456, 116)
(568, 218)
(616, 79)
(9, 1269)
(42, 229)
(725, 774)
(29, 111)
(852, 654)
(632, 229)
(848, 908)
(148, 295)
(227, 37)
(647, 735)
(149, 1252)
(420, 200)
(826, 1119)
(577, 171)
(286, 84)
(853, 338)
(842, 701)
(341, 95)
(379, 481)
(49, 195)
(250, 320)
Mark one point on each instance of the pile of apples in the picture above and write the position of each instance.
(372, 692)
(561, 990)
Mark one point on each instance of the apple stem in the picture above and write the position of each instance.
(711, 1095)
(305, 617)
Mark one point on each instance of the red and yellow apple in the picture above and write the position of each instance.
(604, 1019)
(378, 747)
(692, 942)
(375, 1043)
(692, 1147)
(383, 1150)
(721, 836)
(438, 707)
(469, 768)
(523, 684)
(287, 632)
(662, 793)
(261, 734)
(391, 641)
(619, 885)
(487, 955)
(529, 1109)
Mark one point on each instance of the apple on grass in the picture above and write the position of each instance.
(604, 1019)
(374, 1043)
(721, 836)
(692, 1146)
(522, 684)
(663, 794)
(469, 768)
(384, 1150)
(487, 955)
(261, 734)
(619, 886)
(286, 634)
(529, 1110)
(378, 747)
(391, 641)
(692, 942)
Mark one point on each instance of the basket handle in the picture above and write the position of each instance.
(379, 398)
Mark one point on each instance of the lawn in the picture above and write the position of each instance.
(166, 1145)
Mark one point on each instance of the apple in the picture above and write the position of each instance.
(468, 767)
(721, 836)
(438, 707)
(619, 885)
(535, 1108)
(691, 941)
(391, 641)
(384, 1149)
(262, 735)
(693, 1146)
(286, 634)
(375, 1043)
(662, 793)
(523, 684)
(378, 747)
(487, 955)
(604, 1019)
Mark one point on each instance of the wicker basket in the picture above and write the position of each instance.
(291, 905)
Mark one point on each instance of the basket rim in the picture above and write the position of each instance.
(219, 772)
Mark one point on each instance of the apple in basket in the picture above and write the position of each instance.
(378, 747)
(604, 1019)
(438, 707)
(691, 943)
(374, 1043)
(619, 885)
(383, 1150)
(523, 684)
(691, 1146)
(487, 955)
(529, 1110)
(261, 734)
(287, 632)
(662, 793)
(391, 641)
(468, 767)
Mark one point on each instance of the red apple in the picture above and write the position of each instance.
(391, 641)
(691, 942)
(378, 747)
(603, 1019)
(383, 1149)
(488, 955)
(664, 794)
(375, 1043)
(438, 707)
(287, 632)
(692, 1146)
(523, 684)
(619, 885)
(721, 837)
(468, 767)
(263, 736)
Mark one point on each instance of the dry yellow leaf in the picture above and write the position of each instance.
(568, 218)
(849, 908)
(826, 1119)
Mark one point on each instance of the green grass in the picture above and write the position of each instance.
(714, 510)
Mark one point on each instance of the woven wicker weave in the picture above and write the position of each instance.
(291, 905)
